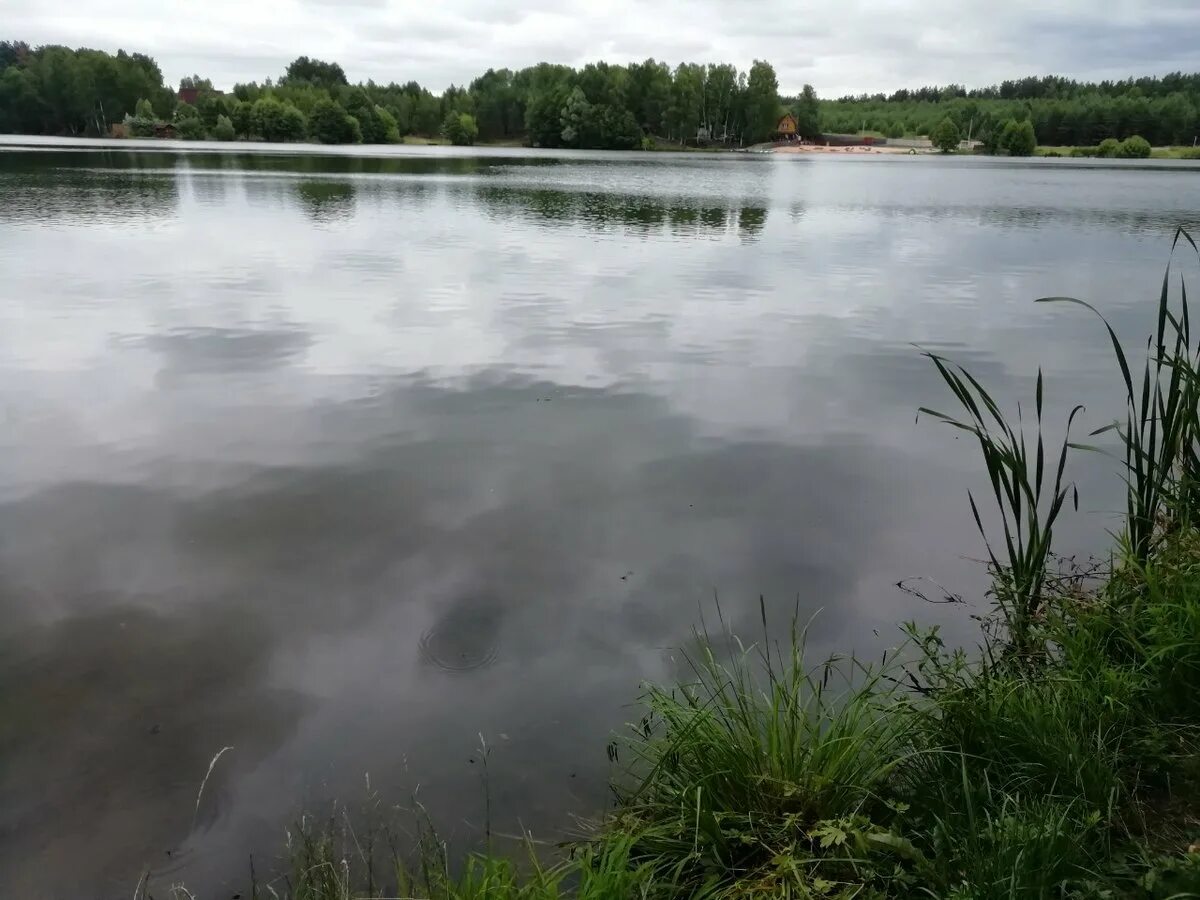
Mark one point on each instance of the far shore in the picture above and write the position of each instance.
(858, 148)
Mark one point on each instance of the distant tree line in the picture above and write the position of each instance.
(1061, 111)
(56, 90)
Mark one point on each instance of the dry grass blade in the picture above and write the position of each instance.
(207, 775)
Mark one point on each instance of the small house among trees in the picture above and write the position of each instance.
(786, 129)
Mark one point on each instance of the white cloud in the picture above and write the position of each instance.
(852, 46)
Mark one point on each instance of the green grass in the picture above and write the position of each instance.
(952, 776)
(330, 861)
(1067, 151)
(755, 776)
(416, 140)
(1058, 759)
(1155, 153)
(1175, 153)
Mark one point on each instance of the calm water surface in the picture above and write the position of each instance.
(346, 460)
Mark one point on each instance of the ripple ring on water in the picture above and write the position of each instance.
(459, 643)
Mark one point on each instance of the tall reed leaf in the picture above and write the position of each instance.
(1029, 503)
(1162, 421)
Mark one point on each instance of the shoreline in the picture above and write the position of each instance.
(11, 142)
(883, 150)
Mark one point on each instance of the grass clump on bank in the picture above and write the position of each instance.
(1059, 759)
(1131, 148)
(948, 777)
(1175, 153)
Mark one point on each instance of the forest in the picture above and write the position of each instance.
(53, 90)
(59, 91)
(1165, 111)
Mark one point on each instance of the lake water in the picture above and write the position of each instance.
(345, 460)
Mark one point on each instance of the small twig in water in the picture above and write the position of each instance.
(948, 596)
(200, 793)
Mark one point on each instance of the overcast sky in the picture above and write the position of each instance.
(839, 46)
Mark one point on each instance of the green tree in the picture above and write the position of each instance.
(687, 91)
(577, 120)
(139, 126)
(542, 119)
(456, 99)
(377, 125)
(13, 53)
(460, 129)
(315, 72)
(293, 125)
(615, 128)
(61, 83)
(21, 107)
(195, 82)
(402, 109)
(543, 113)
(1025, 141)
(896, 130)
(427, 114)
(808, 113)
(945, 136)
(387, 125)
(1108, 148)
(191, 128)
(185, 111)
(247, 93)
(1136, 147)
(223, 130)
(242, 116)
(359, 104)
(499, 109)
(762, 102)
(1174, 117)
(329, 123)
(719, 99)
(807, 110)
(210, 106)
(603, 83)
(275, 121)
(1018, 138)
(650, 94)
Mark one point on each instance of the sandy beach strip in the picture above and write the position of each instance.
(813, 148)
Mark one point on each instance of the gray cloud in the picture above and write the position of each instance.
(857, 45)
